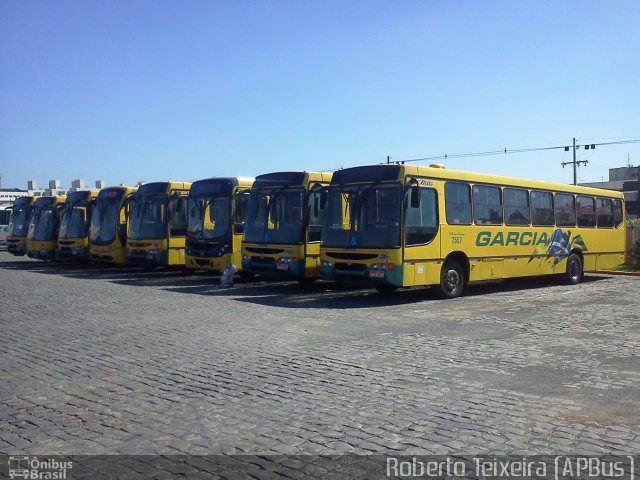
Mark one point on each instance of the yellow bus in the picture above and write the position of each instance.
(18, 229)
(42, 238)
(73, 239)
(158, 224)
(284, 225)
(108, 227)
(217, 210)
(406, 225)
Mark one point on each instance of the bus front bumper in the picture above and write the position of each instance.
(362, 273)
(148, 257)
(17, 246)
(271, 267)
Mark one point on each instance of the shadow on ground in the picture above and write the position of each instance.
(282, 294)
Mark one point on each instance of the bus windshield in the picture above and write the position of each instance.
(148, 219)
(105, 218)
(43, 223)
(74, 221)
(363, 216)
(276, 216)
(19, 223)
(208, 217)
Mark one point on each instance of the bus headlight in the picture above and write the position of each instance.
(326, 264)
(285, 260)
(378, 266)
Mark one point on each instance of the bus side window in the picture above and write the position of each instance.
(421, 222)
(565, 208)
(487, 205)
(457, 198)
(617, 213)
(516, 206)
(542, 209)
(178, 216)
(586, 207)
(241, 202)
(316, 211)
(604, 212)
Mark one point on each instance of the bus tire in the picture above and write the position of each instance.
(452, 280)
(574, 272)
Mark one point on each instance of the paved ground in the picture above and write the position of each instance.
(104, 360)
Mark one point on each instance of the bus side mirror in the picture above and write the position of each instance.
(323, 198)
(415, 196)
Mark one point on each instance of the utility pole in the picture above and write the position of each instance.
(575, 162)
(388, 159)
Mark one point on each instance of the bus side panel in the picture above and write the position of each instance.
(421, 262)
(176, 251)
(312, 261)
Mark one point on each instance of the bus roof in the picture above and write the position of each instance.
(82, 195)
(22, 201)
(127, 189)
(49, 200)
(282, 179)
(391, 172)
(234, 181)
(154, 188)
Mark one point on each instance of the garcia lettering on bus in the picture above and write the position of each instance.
(488, 239)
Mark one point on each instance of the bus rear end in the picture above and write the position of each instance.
(284, 225)
(157, 224)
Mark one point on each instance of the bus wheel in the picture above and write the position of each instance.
(384, 288)
(451, 280)
(574, 271)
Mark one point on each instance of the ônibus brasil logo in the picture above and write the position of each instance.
(33, 468)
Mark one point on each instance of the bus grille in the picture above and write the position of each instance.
(352, 256)
(354, 267)
(264, 250)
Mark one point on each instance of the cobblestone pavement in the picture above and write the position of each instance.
(101, 360)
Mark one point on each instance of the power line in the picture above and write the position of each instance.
(506, 151)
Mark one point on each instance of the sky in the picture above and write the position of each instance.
(185, 90)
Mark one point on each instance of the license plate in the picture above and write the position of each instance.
(376, 274)
(282, 266)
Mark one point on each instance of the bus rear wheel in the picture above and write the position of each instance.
(451, 280)
(575, 272)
